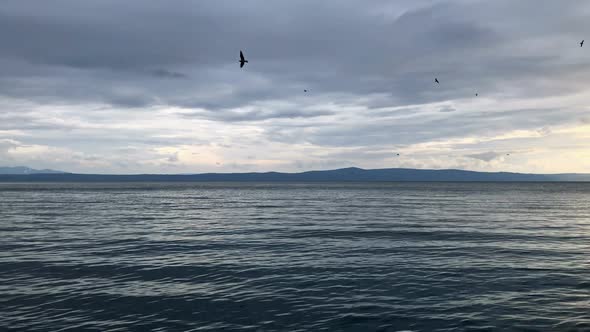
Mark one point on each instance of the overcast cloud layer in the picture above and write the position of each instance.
(145, 86)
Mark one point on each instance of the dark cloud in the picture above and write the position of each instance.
(131, 100)
(173, 158)
(486, 156)
(163, 73)
(335, 46)
(544, 131)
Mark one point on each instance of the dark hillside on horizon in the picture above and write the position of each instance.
(22, 170)
(351, 174)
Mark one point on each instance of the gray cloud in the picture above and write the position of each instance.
(447, 109)
(419, 129)
(257, 114)
(93, 75)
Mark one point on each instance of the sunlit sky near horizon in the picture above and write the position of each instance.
(145, 86)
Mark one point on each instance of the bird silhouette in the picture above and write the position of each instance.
(436, 80)
(242, 59)
(477, 94)
(304, 90)
(582, 43)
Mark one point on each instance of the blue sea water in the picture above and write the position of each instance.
(295, 257)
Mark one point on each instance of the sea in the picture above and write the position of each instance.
(295, 257)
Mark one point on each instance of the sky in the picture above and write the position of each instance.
(154, 86)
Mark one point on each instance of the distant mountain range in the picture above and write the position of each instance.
(21, 170)
(351, 174)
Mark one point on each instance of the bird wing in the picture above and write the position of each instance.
(242, 64)
(242, 56)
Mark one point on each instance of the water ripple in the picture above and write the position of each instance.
(295, 257)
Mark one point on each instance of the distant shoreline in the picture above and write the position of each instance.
(339, 175)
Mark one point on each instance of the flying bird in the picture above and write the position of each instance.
(304, 90)
(582, 43)
(436, 80)
(477, 94)
(242, 60)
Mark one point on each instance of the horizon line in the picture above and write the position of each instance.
(60, 172)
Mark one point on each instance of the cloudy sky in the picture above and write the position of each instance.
(154, 86)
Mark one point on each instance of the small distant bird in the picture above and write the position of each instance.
(436, 80)
(582, 43)
(397, 154)
(477, 94)
(242, 60)
(508, 154)
(304, 90)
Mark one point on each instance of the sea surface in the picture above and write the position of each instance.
(295, 257)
